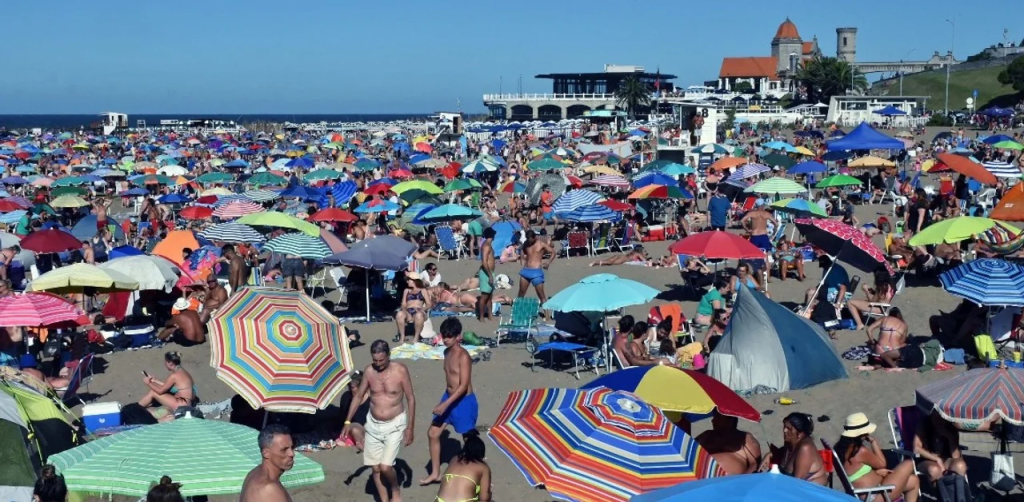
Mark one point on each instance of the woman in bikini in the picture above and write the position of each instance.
(744, 277)
(460, 301)
(798, 456)
(177, 391)
(882, 292)
(468, 478)
(719, 320)
(864, 461)
(415, 305)
(892, 332)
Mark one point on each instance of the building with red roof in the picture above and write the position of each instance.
(773, 74)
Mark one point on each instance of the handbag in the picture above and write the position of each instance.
(52, 346)
(1003, 478)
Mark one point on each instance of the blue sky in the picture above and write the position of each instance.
(403, 56)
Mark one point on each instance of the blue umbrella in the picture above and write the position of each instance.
(656, 178)
(174, 198)
(301, 192)
(122, 251)
(504, 233)
(86, 228)
(14, 180)
(750, 170)
(591, 295)
(674, 169)
(12, 217)
(575, 198)
(381, 253)
(388, 181)
(376, 206)
(342, 193)
(303, 162)
(997, 138)
(592, 213)
(447, 212)
(134, 192)
(988, 281)
(808, 167)
(237, 164)
(747, 488)
(889, 111)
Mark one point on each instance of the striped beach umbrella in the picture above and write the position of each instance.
(208, 457)
(596, 444)
(592, 213)
(237, 209)
(574, 199)
(661, 192)
(750, 170)
(777, 185)
(36, 310)
(1002, 169)
(280, 350)
(261, 195)
(610, 180)
(298, 244)
(232, 233)
(977, 396)
(988, 281)
(342, 193)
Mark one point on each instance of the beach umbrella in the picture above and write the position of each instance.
(591, 213)
(839, 180)
(555, 182)
(462, 184)
(807, 167)
(208, 457)
(596, 444)
(172, 170)
(1001, 169)
(86, 228)
(298, 244)
(154, 273)
(1011, 206)
(479, 166)
(237, 209)
(654, 178)
(777, 185)
(711, 148)
(152, 179)
(261, 196)
(38, 310)
(215, 177)
(280, 350)
(574, 199)
(544, 164)
(967, 167)
(7, 206)
(174, 198)
(68, 191)
(14, 180)
(448, 212)
(976, 396)
(747, 488)
(986, 281)
(603, 169)
(74, 278)
(302, 193)
(591, 295)
(303, 162)
(322, 174)
(674, 169)
(68, 201)
(609, 180)
(672, 389)
(957, 229)
(274, 219)
(615, 205)
(232, 233)
(1009, 145)
(801, 208)
(869, 162)
(50, 241)
(778, 160)
(386, 252)
(749, 171)
(843, 242)
(376, 205)
(266, 179)
(727, 163)
(717, 244)
(421, 185)
(12, 217)
(174, 243)
(660, 192)
(333, 214)
(195, 213)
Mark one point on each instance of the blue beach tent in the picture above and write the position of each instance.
(865, 137)
(766, 345)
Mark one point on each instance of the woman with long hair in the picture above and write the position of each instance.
(468, 477)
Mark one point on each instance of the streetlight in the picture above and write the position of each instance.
(952, 39)
(902, 72)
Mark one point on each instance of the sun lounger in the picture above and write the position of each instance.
(844, 479)
(582, 355)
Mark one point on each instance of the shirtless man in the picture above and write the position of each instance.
(88, 254)
(99, 206)
(736, 451)
(238, 275)
(6, 258)
(388, 422)
(185, 328)
(486, 275)
(458, 405)
(216, 295)
(263, 483)
(757, 220)
(534, 265)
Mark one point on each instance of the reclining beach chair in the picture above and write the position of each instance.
(81, 375)
(885, 307)
(844, 479)
(604, 240)
(681, 327)
(626, 241)
(446, 242)
(577, 239)
(521, 320)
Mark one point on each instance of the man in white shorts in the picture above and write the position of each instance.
(389, 422)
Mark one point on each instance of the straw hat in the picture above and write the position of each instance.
(857, 425)
(181, 304)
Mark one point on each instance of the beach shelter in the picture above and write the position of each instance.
(767, 346)
(865, 137)
(1011, 206)
(19, 472)
(33, 427)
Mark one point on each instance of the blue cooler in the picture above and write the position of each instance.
(98, 416)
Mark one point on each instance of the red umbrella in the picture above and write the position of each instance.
(196, 213)
(967, 167)
(717, 245)
(843, 242)
(400, 173)
(378, 189)
(37, 310)
(50, 241)
(615, 205)
(575, 181)
(7, 206)
(207, 199)
(333, 214)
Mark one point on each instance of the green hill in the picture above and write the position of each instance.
(961, 85)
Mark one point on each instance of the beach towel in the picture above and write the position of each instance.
(417, 351)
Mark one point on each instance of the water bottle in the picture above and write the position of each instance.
(847, 324)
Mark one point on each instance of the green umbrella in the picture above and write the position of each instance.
(421, 185)
(839, 180)
(276, 219)
(266, 179)
(778, 159)
(69, 181)
(777, 185)
(68, 190)
(957, 229)
(40, 208)
(462, 184)
(208, 457)
(544, 164)
(215, 178)
(1009, 145)
(322, 174)
(449, 212)
(800, 207)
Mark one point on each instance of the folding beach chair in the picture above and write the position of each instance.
(626, 241)
(885, 307)
(317, 281)
(81, 375)
(844, 479)
(604, 240)
(521, 320)
(447, 244)
(577, 240)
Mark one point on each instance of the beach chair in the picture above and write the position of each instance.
(898, 262)
(887, 192)
(883, 306)
(986, 200)
(844, 479)
(621, 244)
(681, 260)
(748, 204)
(604, 240)
(620, 359)
(317, 281)
(80, 376)
(446, 242)
(522, 319)
(577, 239)
(680, 324)
(582, 356)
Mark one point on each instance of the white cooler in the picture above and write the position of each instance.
(98, 416)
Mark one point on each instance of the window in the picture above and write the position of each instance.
(844, 41)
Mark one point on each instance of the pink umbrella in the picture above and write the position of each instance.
(237, 209)
(37, 310)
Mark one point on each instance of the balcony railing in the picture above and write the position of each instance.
(547, 97)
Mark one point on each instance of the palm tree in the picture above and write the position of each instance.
(632, 94)
(825, 77)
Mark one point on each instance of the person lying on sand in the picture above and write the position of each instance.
(452, 300)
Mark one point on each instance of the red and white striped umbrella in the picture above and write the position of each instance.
(610, 180)
(37, 310)
(237, 209)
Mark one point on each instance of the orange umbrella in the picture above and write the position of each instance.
(1011, 206)
(176, 241)
(967, 167)
(728, 162)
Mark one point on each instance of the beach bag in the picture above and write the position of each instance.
(52, 346)
(954, 488)
(1003, 477)
(985, 347)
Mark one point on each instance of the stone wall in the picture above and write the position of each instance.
(973, 65)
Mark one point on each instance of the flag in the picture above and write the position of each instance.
(657, 83)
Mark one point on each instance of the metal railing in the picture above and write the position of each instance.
(547, 97)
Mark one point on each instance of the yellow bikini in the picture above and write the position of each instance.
(448, 479)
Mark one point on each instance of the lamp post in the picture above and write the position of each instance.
(902, 72)
(952, 39)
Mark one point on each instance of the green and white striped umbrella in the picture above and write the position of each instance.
(261, 195)
(777, 185)
(299, 244)
(207, 457)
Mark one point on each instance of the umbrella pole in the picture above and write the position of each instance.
(366, 277)
(820, 284)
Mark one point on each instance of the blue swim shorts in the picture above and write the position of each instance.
(461, 414)
(762, 241)
(534, 275)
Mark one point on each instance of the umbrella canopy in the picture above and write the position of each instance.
(195, 213)
(986, 281)
(673, 389)
(76, 277)
(839, 180)
(778, 160)
(86, 229)
(869, 161)
(660, 192)
(1011, 206)
(591, 295)
(376, 206)
(423, 185)
(808, 167)
(68, 201)
(299, 244)
(262, 195)
(555, 182)
(386, 252)
(280, 350)
(956, 229)
(237, 209)
(967, 167)
(654, 178)
(747, 488)
(448, 212)
(802, 208)
(749, 171)
(333, 214)
(171, 247)
(596, 444)
(843, 242)
(208, 457)
(37, 310)
(152, 272)
(765, 344)
(274, 219)
(977, 396)
(50, 241)
(592, 213)
(232, 233)
(777, 185)
(574, 199)
(717, 244)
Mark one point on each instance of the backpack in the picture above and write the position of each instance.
(954, 488)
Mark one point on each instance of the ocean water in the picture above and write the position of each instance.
(66, 122)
